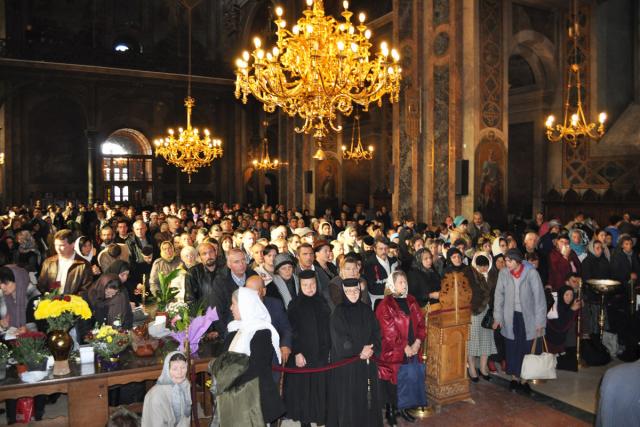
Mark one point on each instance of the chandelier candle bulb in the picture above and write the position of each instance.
(322, 67)
(279, 11)
(345, 5)
(602, 117)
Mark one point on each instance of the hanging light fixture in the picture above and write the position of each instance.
(574, 125)
(318, 68)
(189, 150)
(264, 162)
(356, 151)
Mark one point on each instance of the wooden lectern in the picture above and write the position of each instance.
(447, 335)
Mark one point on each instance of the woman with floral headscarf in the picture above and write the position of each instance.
(29, 256)
(402, 330)
(168, 403)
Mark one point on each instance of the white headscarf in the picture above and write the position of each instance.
(254, 317)
(78, 250)
(391, 285)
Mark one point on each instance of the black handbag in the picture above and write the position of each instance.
(487, 320)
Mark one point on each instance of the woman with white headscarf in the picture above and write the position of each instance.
(83, 247)
(168, 403)
(243, 385)
(402, 331)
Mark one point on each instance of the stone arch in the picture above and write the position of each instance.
(132, 140)
(539, 52)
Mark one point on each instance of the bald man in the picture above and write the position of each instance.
(279, 318)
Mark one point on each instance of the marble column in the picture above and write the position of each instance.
(405, 134)
(442, 114)
(91, 163)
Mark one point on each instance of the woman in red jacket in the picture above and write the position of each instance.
(402, 329)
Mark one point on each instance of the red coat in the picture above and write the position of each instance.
(560, 267)
(394, 330)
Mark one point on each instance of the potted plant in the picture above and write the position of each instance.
(5, 354)
(61, 312)
(166, 293)
(30, 351)
(108, 342)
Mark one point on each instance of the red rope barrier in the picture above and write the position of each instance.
(331, 366)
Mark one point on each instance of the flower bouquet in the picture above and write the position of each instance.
(189, 330)
(30, 350)
(5, 354)
(61, 312)
(108, 342)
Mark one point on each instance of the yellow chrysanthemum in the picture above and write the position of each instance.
(48, 308)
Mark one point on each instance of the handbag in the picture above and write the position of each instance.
(487, 320)
(553, 311)
(411, 387)
(539, 366)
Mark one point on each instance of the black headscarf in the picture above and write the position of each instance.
(116, 267)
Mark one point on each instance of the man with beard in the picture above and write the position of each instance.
(106, 236)
(199, 284)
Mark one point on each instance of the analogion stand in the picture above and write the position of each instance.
(447, 335)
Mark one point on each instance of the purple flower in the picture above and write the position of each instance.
(197, 328)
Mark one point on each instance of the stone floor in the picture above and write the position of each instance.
(494, 406)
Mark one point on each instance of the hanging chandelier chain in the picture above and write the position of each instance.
(189, 150)
(575, 126)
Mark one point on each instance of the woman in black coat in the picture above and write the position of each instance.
(305, 394)
(353, 389)
(424, 280)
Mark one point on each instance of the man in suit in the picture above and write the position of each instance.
(136, 242)
(230, 278)
(65, 270)
(377, 268)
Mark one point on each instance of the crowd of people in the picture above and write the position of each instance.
(305, 291)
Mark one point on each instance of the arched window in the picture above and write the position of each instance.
(127, 167)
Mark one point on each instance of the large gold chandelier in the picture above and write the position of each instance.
(264, 162)
(356, 151)
(318, 68)
(189, 150)
(575, 125)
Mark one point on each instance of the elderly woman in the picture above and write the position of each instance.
(305, 394)
(29, 256)
(245, 391)
(168, 403)
(349, 269)
(167, 262)
(353, 389)
(285, 285)
(520, 311)
(402, 329)
(189, 257)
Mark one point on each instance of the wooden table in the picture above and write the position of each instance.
(88, 392)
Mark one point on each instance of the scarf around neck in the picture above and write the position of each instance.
(180, 393)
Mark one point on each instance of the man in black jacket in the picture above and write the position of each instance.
(227, 280)
(377, 268)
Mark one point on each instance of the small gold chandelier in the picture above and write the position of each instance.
(319, 68)
(189, 150)
(264, 162)
(575, 125)
(356, 151)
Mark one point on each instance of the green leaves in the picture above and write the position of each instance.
(167, 294)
